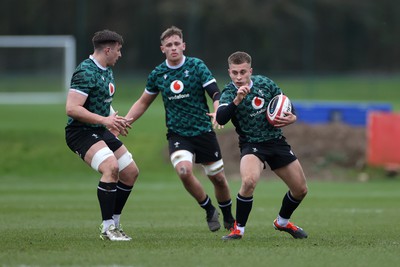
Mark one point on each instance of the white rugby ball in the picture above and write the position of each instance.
(276, 107)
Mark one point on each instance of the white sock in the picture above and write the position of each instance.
(107, 224)
(282, 221)
(116, 219)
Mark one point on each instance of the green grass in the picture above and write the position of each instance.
(355, 88)
(33, 136)
(49, 210)
(27, 82)
(53, 222)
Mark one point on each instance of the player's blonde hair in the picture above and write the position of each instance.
(239, 57)
(173, 30)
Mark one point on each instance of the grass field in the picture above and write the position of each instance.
(50, 215)
(53, 222)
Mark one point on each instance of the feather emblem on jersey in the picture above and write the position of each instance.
(257, 102)
(176, 87)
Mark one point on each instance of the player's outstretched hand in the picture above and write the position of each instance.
(117, 124)
(214, 120)
(128, 122)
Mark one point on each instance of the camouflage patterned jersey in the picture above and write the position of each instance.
(183, 93)
(250, 117)
(98, 84)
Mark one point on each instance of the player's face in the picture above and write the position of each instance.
(173, 48)
(240, 74)
(113, 53)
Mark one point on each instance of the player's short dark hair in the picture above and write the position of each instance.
(239, 57)
(105, 37)
(173, 30)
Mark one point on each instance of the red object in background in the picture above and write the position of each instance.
(383, 139)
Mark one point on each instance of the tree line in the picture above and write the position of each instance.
(287, 36)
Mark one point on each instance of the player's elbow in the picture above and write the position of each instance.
(69, 111)
(222, 117)
(219, 119)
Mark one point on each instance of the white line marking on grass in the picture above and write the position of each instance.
(358, 210)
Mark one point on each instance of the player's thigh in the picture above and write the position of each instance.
(101, 158)
(251, 166)
(293, 176)
(96, 147)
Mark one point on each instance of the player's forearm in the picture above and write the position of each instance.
(215, 105)
(136, 111)
(225, 113)
(81, 114)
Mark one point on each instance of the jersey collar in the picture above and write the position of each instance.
(251, 84)
(97, 63)
(177, 66)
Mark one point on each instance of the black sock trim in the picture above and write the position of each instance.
(291, 198)
(205, 201)
(244, 199)
(107, 187)
(225, 203)
(124, 187)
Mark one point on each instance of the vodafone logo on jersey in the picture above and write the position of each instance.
(176, 87)
(111, 89)
(257, 102)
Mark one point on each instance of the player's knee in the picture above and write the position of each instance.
(109, 168)
(101, 157)
(249, 184)
(303, 192)
(184, 171)
(219, 180)
(129, 174)
(300, 192)
(182, 162)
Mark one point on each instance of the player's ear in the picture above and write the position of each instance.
(162, 49)
(183, 46)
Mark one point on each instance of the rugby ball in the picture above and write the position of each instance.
(276, 107)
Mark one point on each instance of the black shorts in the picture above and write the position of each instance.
(276, 152)
(80, 139)
(205, 147)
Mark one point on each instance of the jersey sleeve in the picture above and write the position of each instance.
(227, 95)
(204, 73)
(151, 84)
(81, 81)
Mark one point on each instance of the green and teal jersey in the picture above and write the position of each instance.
(183, 94)
(250, 117)
(97, 83)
